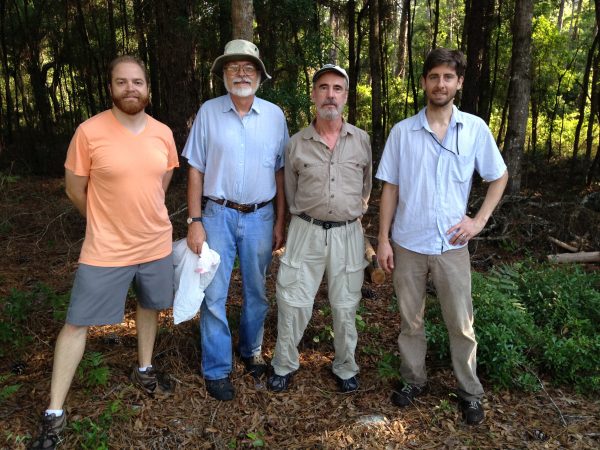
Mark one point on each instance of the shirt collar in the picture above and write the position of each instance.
(229, 106)
(421, 122)
(310, 132)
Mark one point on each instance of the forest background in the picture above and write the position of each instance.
(533, 74)
(533, 67)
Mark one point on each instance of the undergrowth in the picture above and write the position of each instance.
(19, 308)
(532, 320)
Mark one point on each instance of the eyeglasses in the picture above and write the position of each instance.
(233, 69)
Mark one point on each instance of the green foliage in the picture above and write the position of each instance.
(361, 325)
(324, 335)
(388, 366)
(92, 371)
(95, 434)
(8, 389)
(15, 309)
(18, 308)
(528, 318)
(251, 439)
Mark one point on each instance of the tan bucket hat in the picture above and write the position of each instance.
(239, 49)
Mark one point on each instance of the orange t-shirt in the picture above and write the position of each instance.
(127, 220)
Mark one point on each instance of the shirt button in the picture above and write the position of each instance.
(332, 196)
(332, 163)
(333, 179)
(330, 212)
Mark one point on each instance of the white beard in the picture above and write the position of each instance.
(242, 91)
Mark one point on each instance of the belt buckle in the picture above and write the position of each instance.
(327, 225)
(244, 208)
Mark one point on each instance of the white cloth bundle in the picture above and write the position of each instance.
(193, 274)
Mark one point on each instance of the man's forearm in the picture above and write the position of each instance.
(279, 197)
(194, 192)
(387, 207)
(492, 198)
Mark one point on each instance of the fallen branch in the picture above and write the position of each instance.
(560, 414)
(574, 257)
(562, 244)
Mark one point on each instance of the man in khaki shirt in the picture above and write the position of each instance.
(328, 168)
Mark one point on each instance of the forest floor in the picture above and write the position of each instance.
(41, 234)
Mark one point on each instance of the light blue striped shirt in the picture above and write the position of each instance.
(434, 178)
(238, 156)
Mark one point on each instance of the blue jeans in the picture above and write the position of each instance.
(250, 237)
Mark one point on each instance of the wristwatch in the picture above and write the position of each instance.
(189, 220)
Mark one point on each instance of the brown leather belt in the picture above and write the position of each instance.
(326, 225)
(247, 208)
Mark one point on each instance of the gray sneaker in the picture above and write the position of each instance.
(152, 382)
(49, 432)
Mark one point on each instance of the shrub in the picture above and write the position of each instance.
(531, 318)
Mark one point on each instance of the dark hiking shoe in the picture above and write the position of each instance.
(255, 365)
(49, 433)
(279, 383)
(348, 385)
(406, 395)
(221, 389)
(152, 382)
(472, 411)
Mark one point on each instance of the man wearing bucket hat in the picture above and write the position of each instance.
(236, 203)
(327, 185)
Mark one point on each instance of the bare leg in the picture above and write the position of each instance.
(147, 325)
(68, 352)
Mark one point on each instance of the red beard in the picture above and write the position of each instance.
(129, 106)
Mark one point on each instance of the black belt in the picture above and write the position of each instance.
(247, 208)
(326, 225)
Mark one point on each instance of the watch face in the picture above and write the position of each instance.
(189, 220)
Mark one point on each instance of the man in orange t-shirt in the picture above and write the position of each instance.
(119, 165)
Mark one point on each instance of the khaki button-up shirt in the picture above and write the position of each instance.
(329, 185)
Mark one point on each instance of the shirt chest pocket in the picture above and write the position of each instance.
(462, 168)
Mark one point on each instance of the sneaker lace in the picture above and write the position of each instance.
(473, 405)
(407, 389)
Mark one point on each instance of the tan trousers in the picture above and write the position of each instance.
(310, 252)
(451, 275)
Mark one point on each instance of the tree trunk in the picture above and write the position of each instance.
(111, 29)
(402, 39)
(561, 11)
(535, 116)
(436, 23)
(355, 23)
(478, 24)
(8, 126)
(552, 118)
(519, 92)
(242, 18)
(583, 99)
(486, 115)
(376, 71)
(140, 31)
(410, 80)
(351, 18)
(594, 108)
(178, 87)
(87, 76)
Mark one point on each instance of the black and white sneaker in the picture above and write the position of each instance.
(472, 411)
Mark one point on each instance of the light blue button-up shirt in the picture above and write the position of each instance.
(434, 178)
(237, 155)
